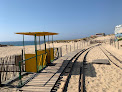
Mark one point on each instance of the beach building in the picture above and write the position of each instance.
(118, 32)
(99, 34)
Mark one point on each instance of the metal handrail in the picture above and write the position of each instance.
(20, 76)
(32, 57)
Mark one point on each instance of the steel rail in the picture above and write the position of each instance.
(111, 60)
(82, 75)
(113, 56)
(52, 90)
(64, 89)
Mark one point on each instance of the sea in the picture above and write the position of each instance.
(20, 43)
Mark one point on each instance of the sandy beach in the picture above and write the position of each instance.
(101, 77)
(98, 77)
(17, 50)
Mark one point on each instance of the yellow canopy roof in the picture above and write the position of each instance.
(38, 33)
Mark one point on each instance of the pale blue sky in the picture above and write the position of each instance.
(72, 19)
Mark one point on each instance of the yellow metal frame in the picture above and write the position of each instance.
(50, 54)
(38, 33)
(30, 65)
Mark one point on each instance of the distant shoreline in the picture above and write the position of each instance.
(20, 43)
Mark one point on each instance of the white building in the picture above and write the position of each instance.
(118, 29)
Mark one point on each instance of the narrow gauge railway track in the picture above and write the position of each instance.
(67, 72)
(64, 89)
(110, 57)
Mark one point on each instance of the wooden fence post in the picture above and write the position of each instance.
(110, 42)
(74, 45)
(58, 52)
(77, 45)
(80, 44)
(0, 80)
(66, 49)
(118, 44)
(61, 51)
(70, 48)
(114, 44)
